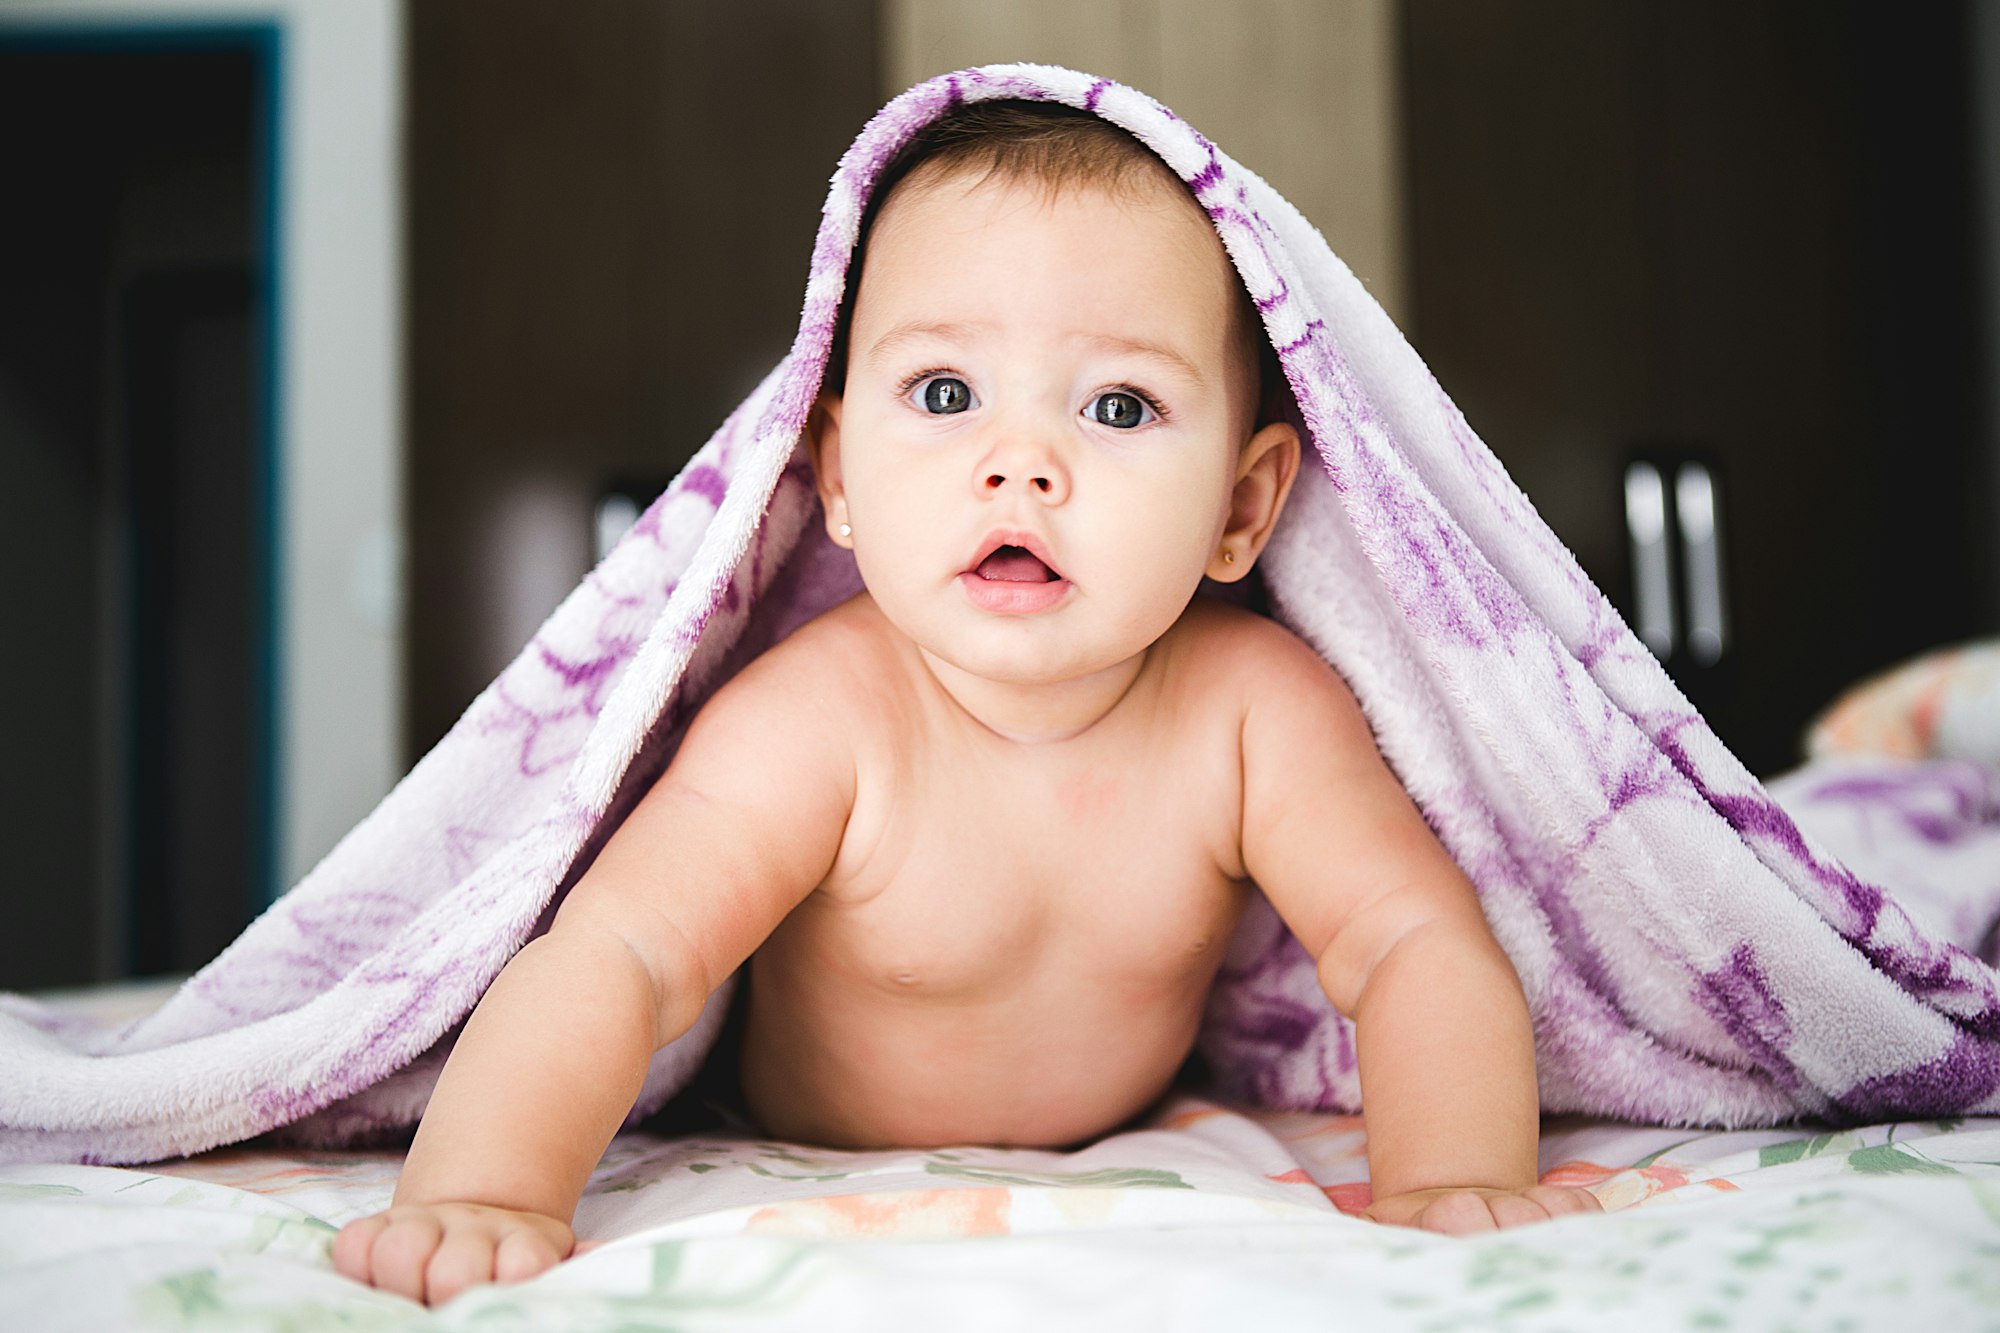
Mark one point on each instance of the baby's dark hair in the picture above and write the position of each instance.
(1057, 147)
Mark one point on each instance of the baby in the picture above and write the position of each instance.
(984, 831)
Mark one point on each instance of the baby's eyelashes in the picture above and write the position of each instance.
(1121, 409)
(938, 393)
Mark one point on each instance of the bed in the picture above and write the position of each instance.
(1207, 1215)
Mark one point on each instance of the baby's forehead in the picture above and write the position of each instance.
(962, 219)
(1142, 184)
(965, 195)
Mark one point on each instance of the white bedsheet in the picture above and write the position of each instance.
(1206, 1218)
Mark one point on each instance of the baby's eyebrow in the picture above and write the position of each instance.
(1159, 352)
(887, 345)
(921, 331)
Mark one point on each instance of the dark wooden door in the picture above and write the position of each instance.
(1739, 234)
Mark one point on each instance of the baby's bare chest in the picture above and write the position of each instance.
(960, 881)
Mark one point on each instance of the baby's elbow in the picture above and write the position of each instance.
(1405, 938)
(649, 949)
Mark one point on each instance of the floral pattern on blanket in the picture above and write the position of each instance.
(1203, 1210)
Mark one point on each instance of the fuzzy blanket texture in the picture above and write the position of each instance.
(1689, 954)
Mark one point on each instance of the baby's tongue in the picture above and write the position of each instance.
(1011, 564)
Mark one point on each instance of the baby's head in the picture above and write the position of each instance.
(1048, 411)
(1052, 148)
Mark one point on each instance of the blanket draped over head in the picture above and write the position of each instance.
(1688, 954)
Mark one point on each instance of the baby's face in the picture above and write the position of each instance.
(1044, 412)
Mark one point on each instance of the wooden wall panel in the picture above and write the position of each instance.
(611, 212)
(1307, 94)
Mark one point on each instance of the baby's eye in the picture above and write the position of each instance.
(944, 395)
(1120, 409)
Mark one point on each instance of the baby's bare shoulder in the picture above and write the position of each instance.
(1286, 706)
(1250, 659)
(829, 669)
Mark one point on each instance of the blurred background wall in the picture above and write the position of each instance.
(201, 455)
(1306, 93)
(1715, 280)
(611, 207)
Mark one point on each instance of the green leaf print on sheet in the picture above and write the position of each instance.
(816, 1167)
(1870, 1159)
(1814, 1145)
(189, 1299)
(20, 1192)
(1894, 1159)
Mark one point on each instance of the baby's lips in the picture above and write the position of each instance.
(1029, 542)
(1014, 564)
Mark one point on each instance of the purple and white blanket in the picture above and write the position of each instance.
(1689, 955)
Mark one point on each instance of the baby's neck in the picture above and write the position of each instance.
(1037, 714)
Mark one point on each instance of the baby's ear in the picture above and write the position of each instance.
(822, 436)
(1264, 475)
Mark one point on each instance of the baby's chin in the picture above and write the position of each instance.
(1023, 665)
(1036, 656)
(1068, 644)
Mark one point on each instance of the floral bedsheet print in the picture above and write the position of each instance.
(1207, 1216)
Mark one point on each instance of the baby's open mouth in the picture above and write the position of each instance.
(1013, 564)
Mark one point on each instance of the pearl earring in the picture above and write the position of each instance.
(846, 531)
(1228, 557)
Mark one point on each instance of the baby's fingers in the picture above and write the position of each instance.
(354, 1243)
(463, 1259)
(402, 1253)
(522, 1254)
(1562, 1200)
(1460, 1213)
(1468, 1212)
(1516, 1210)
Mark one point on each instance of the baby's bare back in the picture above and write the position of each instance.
(1016, 941)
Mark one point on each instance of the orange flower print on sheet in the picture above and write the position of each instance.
(1586, 1175)
(1351, 1197)
(1192, 1115)
(930, 1214)
(1627, 1187)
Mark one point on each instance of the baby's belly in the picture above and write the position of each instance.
(1032, 1054)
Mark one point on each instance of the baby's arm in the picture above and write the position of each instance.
(1446, 1050)
(740, 829)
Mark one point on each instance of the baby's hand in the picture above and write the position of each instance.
(432, 1252)
(1461, 1212)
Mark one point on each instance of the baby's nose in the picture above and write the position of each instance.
(998, 480)
(1029, 465)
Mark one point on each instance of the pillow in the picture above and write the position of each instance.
(1943, 705)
